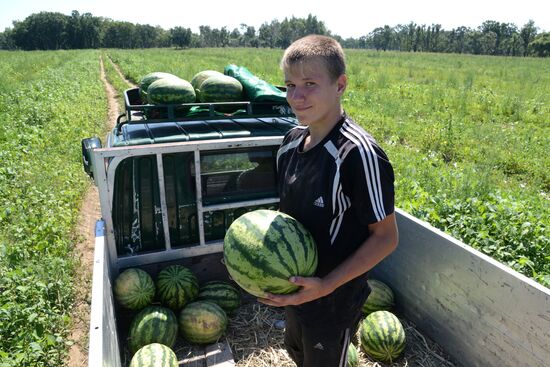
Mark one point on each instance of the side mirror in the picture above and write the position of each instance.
(88, 145)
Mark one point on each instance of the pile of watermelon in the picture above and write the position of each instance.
(262, 250)
(172, 304)
(207, 86)
(381, 334)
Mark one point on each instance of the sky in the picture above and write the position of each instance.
(346, 18)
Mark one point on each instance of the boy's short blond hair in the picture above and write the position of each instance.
(316, 46)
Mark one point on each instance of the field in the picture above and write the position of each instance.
(468, 136)
(48, 102)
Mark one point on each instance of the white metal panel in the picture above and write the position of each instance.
(480, 311)
(187, 146)
(106, 160)
(163, 207)
(198, 193)
(169, 255)
(103, 348)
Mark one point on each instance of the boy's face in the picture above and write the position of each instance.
(313, 96)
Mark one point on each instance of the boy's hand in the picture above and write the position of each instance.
(311, 289)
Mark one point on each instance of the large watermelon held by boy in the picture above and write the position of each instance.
(263, 248)
(153, 324)
(134, 289)
(176, 286)
(382, 336)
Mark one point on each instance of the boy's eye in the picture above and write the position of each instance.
(309, 84)
(290, 85)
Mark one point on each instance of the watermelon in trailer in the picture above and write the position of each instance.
(154, 355)
(176, 286)
(202, 322)
(380, 298)
(263, 248)
(382, 336)
(353, 356)
(153, 324)
(221, 293)
(134, 289)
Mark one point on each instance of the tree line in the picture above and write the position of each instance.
(54, 31)
(491, 38)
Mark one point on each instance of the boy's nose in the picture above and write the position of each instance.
(296, 94)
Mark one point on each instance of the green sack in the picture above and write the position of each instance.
(256, 89)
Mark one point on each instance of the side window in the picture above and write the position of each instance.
(238, 175)
(137, 216)
(179, 183)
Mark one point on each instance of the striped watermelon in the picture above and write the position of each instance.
(154, 355)
(380, 298)
(201, 76)
(134, 289)
(153, 324)
(382, 336)
(202, 322)
(221, 293)
(353, 356)
(176, 286)
(146, 81)
(264, 248)
(220, 88)
(170, 91)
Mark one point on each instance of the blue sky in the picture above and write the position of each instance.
(347, 18)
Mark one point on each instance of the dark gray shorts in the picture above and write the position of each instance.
(318, 333)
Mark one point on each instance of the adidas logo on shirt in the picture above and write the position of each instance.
(319, 202)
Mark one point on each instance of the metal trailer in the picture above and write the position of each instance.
(153, 173)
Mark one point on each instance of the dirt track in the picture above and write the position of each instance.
(84, 250)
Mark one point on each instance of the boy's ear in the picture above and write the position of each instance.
(342, 83)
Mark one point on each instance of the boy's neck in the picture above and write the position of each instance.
(318, 131)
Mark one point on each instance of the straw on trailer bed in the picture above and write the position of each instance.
(255, 342)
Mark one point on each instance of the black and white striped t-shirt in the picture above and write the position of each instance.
(336, 189)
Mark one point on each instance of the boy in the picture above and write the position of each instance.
(336, 181)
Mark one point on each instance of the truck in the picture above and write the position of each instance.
(171, 182)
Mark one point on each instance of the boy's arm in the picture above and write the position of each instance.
(382, 241)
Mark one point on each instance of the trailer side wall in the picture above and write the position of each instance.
(480, 311)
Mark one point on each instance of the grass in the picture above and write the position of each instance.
(113, 78)
(44, 113)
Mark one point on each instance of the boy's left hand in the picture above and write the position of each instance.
(311, 289)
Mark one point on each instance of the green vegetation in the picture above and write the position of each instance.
(53, 31)
(264, 63)
(113, 78)
(468, 136)
(48, 102)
